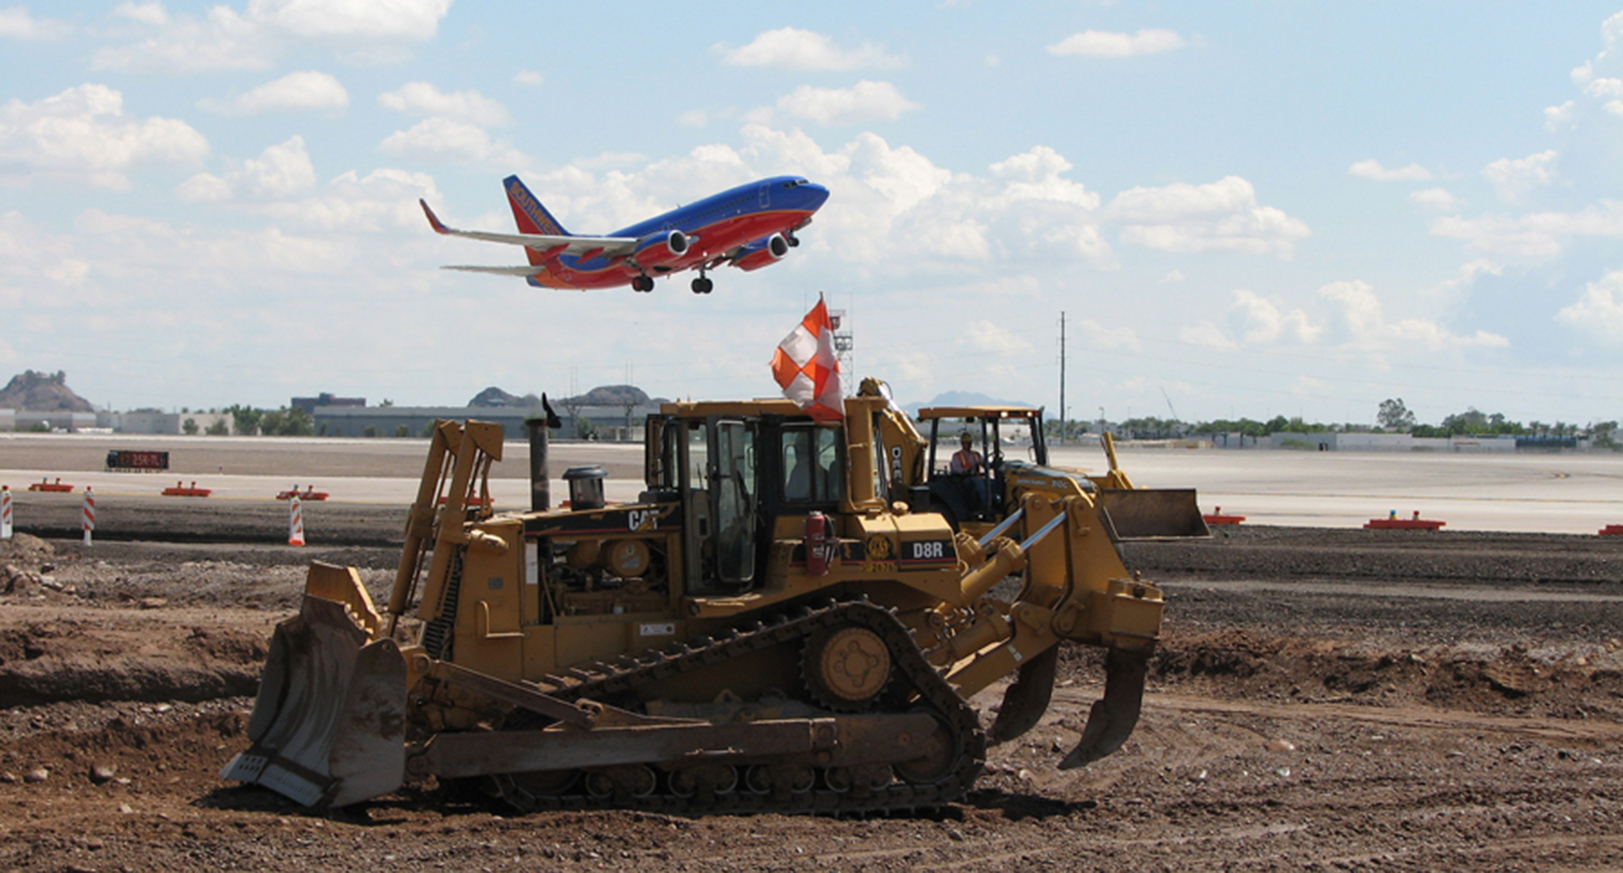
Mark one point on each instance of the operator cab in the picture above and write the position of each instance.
(978, 495)
(735, 473)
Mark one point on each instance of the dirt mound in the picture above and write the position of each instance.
(122, 658)
(1559, 681)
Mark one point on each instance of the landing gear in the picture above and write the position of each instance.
(642, 283)
(790, 238)
(703, 285)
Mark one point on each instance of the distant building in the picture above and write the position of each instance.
(148, 421)
(8, 419)
(56, 422)
(1390, 442)
(309, 404)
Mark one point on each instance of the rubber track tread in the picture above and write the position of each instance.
(933, 690)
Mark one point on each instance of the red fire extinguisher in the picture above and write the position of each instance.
(820, 544)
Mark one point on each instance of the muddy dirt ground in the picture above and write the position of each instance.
(1322, 700)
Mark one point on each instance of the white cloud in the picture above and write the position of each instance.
(528, 78)
(1207, 334)
(468, 107)
(28, 253)
(1098, 336)
(1603, 88)
(1560, 117)
(1104, 44)
(1037, 175)
(1599, 311)
(1515, 179)
(1264, 322)
(83, 134)
(1372, 169)
(204, 188)
(693, 118)
(1436, 199)
(1537, 235)
(447, 139)
(144, 13)
(255, 37)
(310, 89)
(1173, 277)
(280, 172)
(987, 336)
(396, 20)
(1367, 328)
(1220, 216)
(17, 23)
(866, 101)
(795, 49)
(384, 200)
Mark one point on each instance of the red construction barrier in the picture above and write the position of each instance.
(56, 486)
(191, 491)
(1612, 530)
(1392, 522)
(1217, 517)
(309, 493)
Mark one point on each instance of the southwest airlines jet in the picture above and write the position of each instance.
(748, 227)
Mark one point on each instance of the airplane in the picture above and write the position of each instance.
(748, 227)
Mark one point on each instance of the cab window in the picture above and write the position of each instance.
(813, 465)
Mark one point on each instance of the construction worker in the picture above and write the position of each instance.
(966, 461)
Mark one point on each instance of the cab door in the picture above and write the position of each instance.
(733, 499)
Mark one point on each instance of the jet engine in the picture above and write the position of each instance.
(661, 249)
(762, 252)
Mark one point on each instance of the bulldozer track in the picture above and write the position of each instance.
(628, 674)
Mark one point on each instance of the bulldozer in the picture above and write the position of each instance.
(778, 623)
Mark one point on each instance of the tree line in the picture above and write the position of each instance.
(1392, 416)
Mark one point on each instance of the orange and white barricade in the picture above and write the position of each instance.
(5, 512)
(89, 520)
(295, 522)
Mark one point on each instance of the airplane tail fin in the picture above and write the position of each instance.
(529, 214)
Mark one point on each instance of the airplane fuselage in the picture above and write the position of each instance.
(717, 225)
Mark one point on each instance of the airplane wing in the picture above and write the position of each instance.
(607, 246)
(532, 270)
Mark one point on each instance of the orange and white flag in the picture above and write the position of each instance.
(808, 370)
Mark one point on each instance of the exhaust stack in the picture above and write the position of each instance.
(540, 482)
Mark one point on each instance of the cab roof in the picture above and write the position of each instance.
(930, 412)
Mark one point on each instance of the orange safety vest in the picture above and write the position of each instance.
(966, 461)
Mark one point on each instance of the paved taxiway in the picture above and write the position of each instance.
(1552, 493)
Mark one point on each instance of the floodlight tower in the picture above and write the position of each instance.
(843, 344)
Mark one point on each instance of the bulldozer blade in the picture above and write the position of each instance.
(1027, 699)
(328, 727)
(1152, 513)
(1113, 717)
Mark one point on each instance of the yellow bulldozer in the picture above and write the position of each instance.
(778, 623)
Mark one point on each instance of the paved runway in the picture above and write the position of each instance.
(1547, 493)
(1551, 493)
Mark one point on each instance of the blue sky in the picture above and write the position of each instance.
(1242, 209)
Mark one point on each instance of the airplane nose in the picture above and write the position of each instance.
(815, 194)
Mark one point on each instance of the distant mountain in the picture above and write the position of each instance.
(964, 398)
(610, 395)
(42, 392)
(494, 396)
(603, 395)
